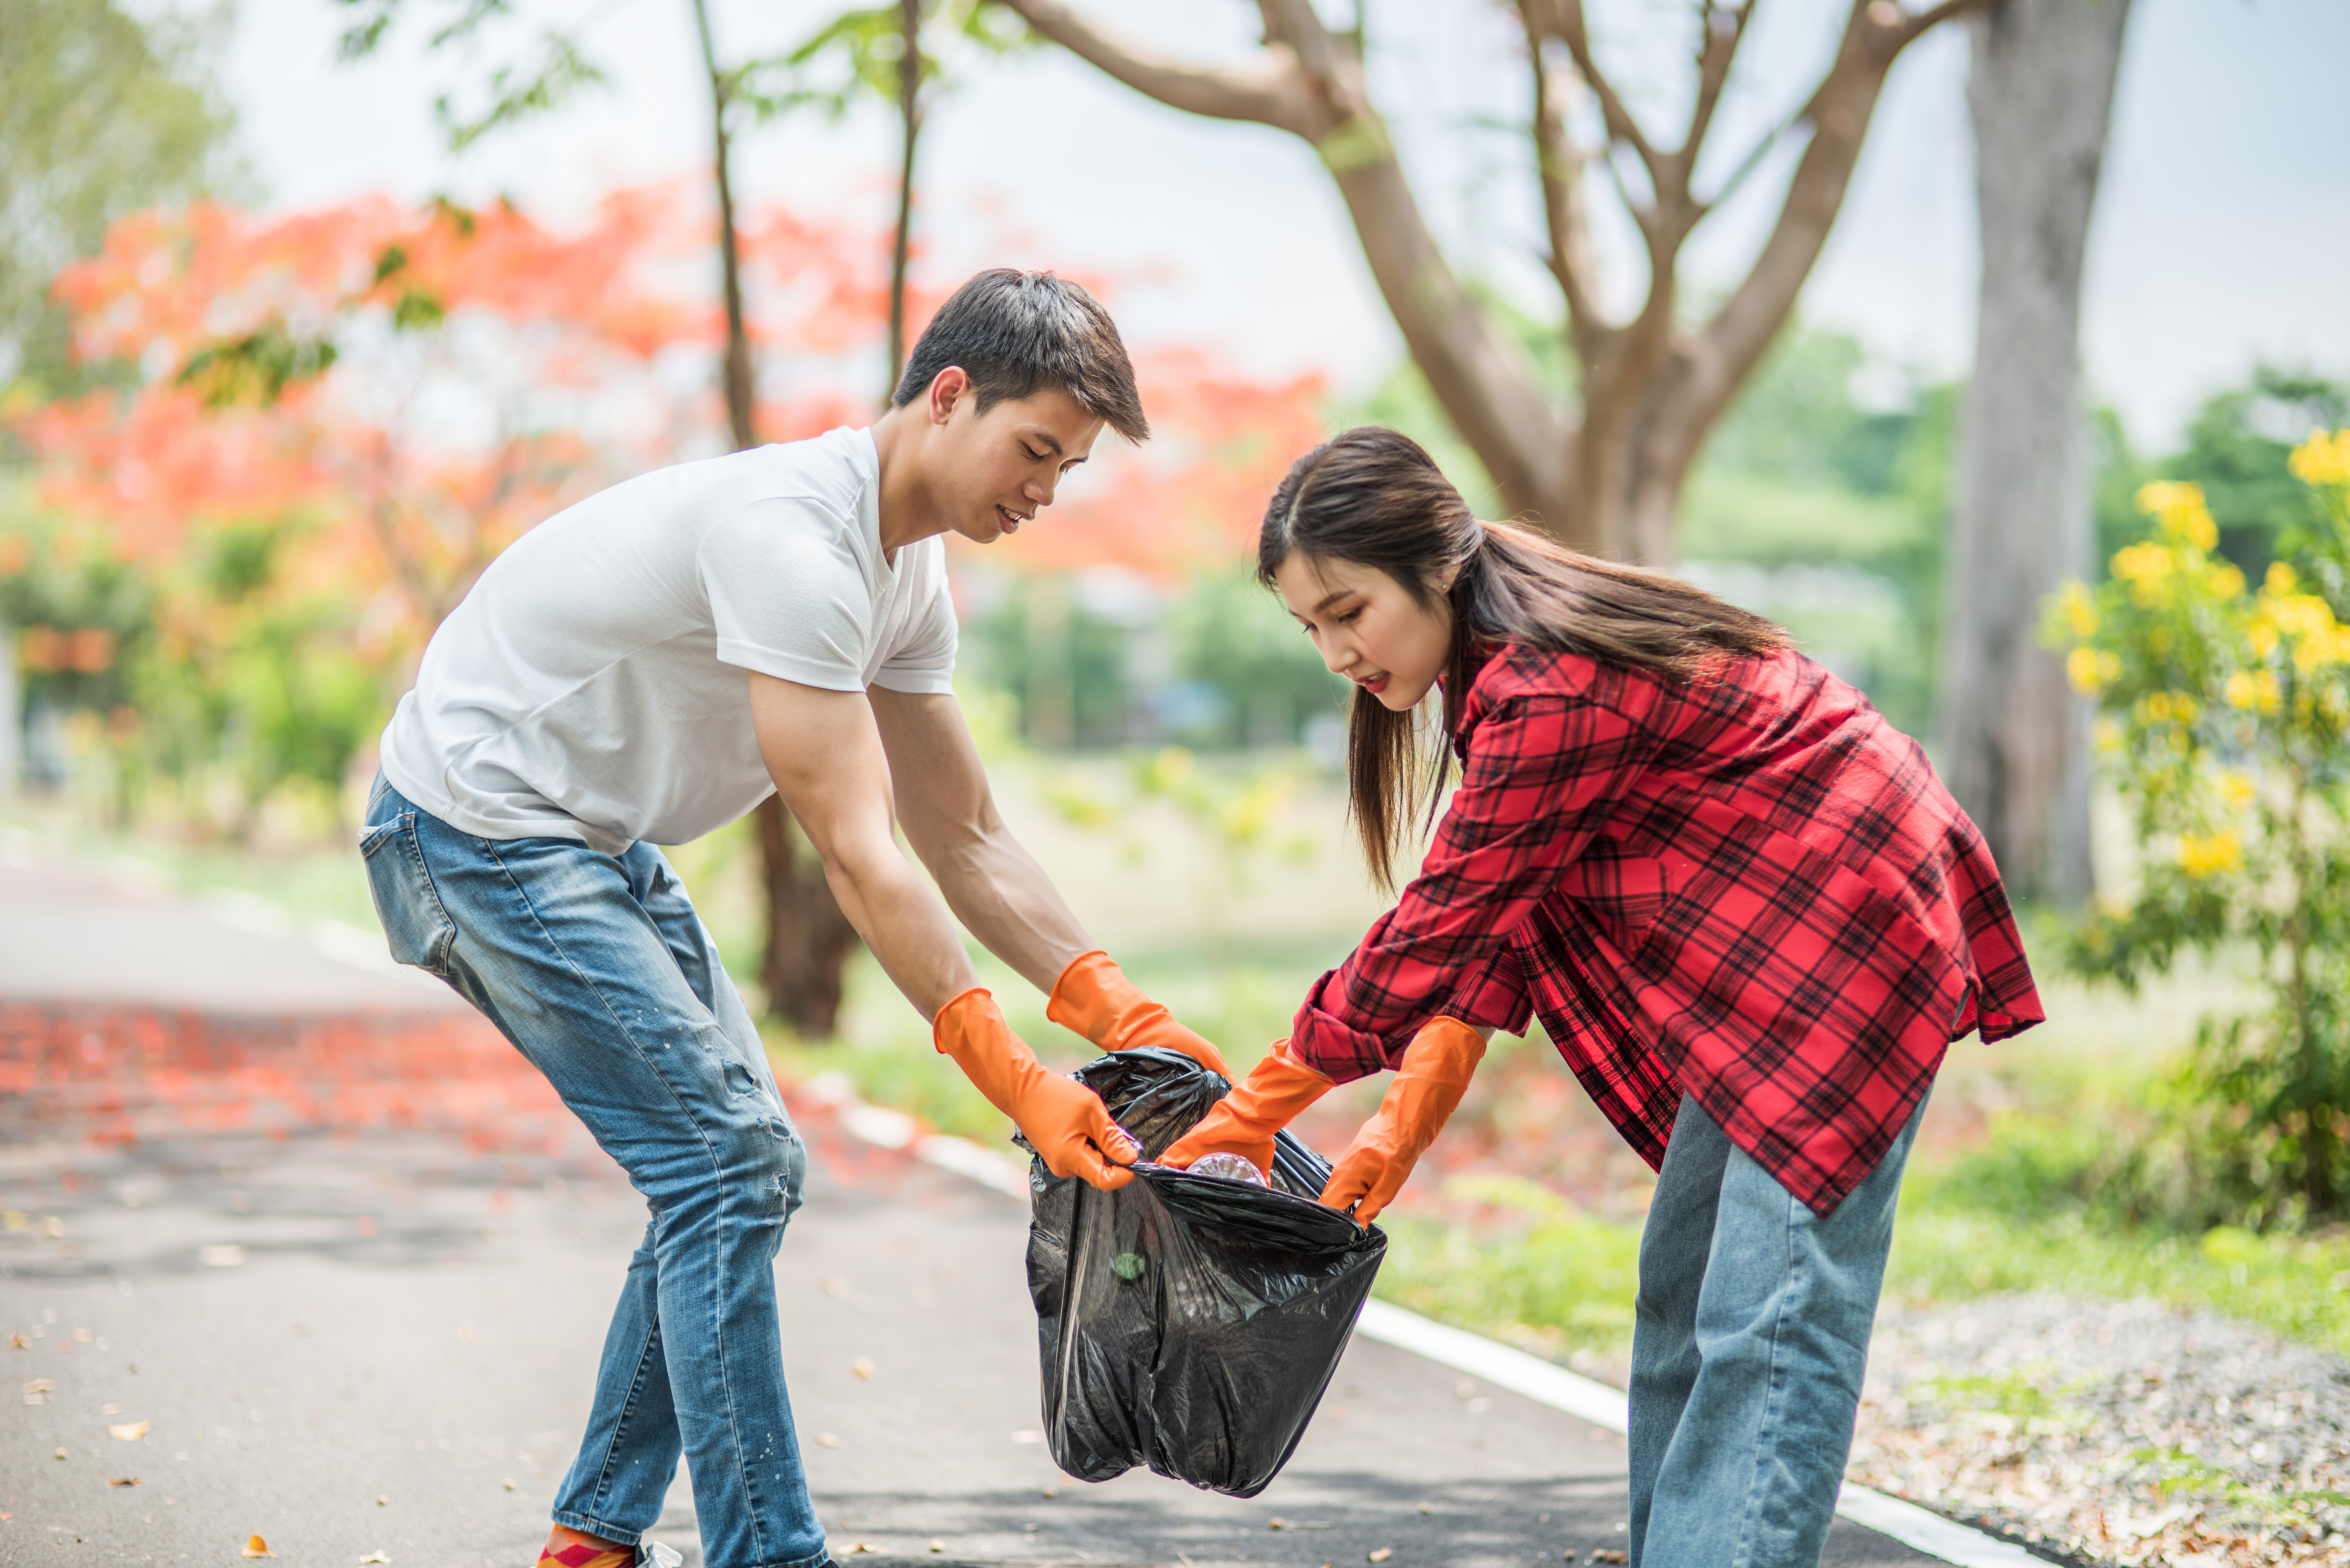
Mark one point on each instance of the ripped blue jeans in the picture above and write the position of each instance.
(596, 969)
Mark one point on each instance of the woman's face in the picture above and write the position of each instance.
(1368, 627)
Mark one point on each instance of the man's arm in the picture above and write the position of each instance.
(825, 752)
(999, 891)
(994, 886)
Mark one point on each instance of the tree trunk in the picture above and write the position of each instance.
(807, 936)
(2013, 734)
(909, 121)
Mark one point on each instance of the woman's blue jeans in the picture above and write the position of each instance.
(596, 967)
(1749, 1339)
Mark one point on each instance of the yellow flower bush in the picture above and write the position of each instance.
(2224, 718)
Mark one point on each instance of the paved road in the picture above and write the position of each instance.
(370, 1342)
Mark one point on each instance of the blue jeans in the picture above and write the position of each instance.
(1750, 1336)
(596, 969)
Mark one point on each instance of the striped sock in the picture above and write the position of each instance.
(579, 1554)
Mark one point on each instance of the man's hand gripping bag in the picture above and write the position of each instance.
(1188, 1323)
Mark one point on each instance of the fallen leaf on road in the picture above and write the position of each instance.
(861, 1546)
(220, 1257)
(828, 1439)
(862, 1366)
(124, 1480)
(1381, 1555)
(129, 1431)
(81, 1336)
(378, 1556)
(935, 1546)
(61, 1453)
(18, 1342)
(109, 1409)
(833, 1287)
(1568, 1555)
(1030, 1436)
(1604, 1555)
(256, 1547)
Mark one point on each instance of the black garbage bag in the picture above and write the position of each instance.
(1188, 1323)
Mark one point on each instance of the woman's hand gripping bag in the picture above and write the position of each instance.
(1187, 1323)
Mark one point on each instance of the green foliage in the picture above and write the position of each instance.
(2226, 723)
(865, 49)
(255, 370)
(2239, 453)
(1053, 655)
(1828, 517)
(103, 111)
(1232, 637)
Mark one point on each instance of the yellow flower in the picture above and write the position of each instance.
(2323, 460)
(2142, 563)
(2080, 611)
(2092, 669)
(2205, 855)
(2252, 691)
(2178, 512)
(2279, 580)
(2237, 790)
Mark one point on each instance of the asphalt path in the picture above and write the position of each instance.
(372, 1347)
(383, 1346)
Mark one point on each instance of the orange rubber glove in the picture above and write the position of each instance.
(1066, 1123)
(1094, 997)
(1435, 1073)
(1244, 1121)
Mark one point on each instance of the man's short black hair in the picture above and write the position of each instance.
(1013, 331)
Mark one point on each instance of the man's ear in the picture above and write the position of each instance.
(948, 387)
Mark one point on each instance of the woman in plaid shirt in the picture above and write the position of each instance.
(1745, 910)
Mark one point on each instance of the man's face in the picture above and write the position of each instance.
(994, 471)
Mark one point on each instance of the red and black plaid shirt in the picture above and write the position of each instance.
(1748, 887)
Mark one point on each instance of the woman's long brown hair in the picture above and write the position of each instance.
(1374, 497)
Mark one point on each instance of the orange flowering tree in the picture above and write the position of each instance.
(334, 422)
(2225, 719)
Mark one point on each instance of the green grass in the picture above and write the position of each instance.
(1550, 1278)
(1561, 1281)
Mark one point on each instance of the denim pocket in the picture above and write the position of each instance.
(415, 926)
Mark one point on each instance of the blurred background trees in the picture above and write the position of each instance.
(103, 112)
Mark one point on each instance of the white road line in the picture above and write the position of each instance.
(1596, 1403)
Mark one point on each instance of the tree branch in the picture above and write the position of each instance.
(1561, 165)
(1308, 81)
(1838, 112)
(1714, 56)
(1267, 89)
(1566, 23)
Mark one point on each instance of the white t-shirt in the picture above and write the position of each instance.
(591, 686)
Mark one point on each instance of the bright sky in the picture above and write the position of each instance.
(2222, 236)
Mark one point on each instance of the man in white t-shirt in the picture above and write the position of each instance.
(647, 666)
